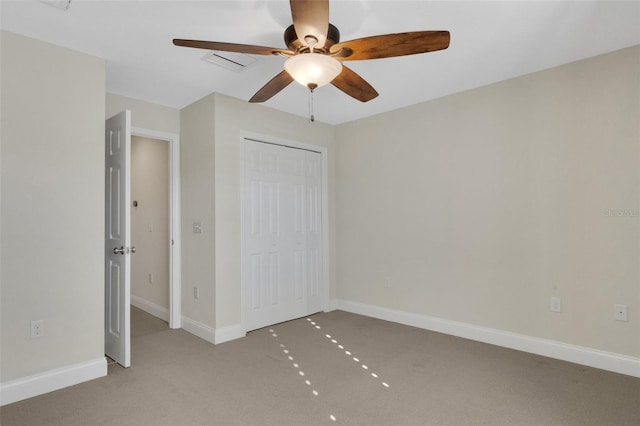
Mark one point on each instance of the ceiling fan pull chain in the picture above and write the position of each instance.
(311, 117)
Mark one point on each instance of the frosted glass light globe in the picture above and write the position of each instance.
(313, 69)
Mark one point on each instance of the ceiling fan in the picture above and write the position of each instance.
(315, 53)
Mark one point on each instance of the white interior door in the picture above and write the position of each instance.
(117, 238)
(282, 245)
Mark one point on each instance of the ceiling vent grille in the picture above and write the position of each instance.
(60, 4)
(229, 60)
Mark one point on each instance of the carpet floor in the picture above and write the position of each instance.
(333, 368)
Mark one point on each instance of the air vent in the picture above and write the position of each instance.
(229, 60)
(60, 4)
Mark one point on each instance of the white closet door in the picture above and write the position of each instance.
(282, 256)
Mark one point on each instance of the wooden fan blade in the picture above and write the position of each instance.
(390, 45)
(354, 85)
(231, 47)
(276, 84)
(310, 18)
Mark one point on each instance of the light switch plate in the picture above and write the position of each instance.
(197, 227)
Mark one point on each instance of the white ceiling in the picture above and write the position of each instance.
(490, 42)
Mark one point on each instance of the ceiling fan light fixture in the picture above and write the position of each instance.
(313, 69)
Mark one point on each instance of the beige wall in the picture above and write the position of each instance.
(144, 114)
(52, 206)
(150, 220)
(197, 183)
(481, 206)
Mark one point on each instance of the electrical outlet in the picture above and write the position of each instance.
(387, 282)
(150, 278)
(37, 329)
(556, 304)
(196, 293)
(620, 313)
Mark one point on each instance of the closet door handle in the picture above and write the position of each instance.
(118, 250)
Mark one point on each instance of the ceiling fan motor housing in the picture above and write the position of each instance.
(294, 44)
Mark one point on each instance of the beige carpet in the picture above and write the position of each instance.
(333, 368)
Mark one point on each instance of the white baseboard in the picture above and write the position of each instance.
(49, 381)
(331, 305)
(232, 332)
(617, 363)
(150, 307)
(210, 334)
(199, 329)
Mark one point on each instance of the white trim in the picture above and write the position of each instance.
(175, 261)
(324, 155)
(150, 307)
(210, 334)
(609, 361)
(231, 332)
(49, 381)
(332, 305)
(326, 298)
(199, 329)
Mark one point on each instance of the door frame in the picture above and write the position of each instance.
(175, 258)
(324, 154)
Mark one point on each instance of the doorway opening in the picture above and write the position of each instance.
(150, 231)
(155, 178)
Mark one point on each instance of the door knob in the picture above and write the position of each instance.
(133, 249)
(118, 250)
